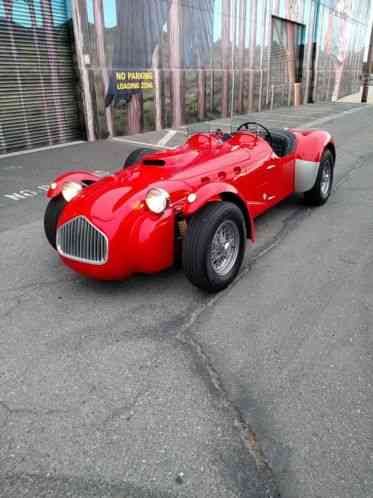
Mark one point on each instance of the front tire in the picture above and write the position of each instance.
(214, 246)
(52, 213)
(321, 191)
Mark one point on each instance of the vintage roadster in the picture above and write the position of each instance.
(195, 204)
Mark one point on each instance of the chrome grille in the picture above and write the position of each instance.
(78, 239)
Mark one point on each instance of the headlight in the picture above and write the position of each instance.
(70, 190)
(157, 200)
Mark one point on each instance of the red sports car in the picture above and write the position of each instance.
(196, 204)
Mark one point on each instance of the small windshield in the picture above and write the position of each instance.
(204, 127)
(228, 126)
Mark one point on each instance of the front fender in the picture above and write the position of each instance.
(71, 176)
(152, 242)
(140, 243)
(218, 192)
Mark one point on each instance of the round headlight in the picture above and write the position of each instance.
(157, 200)
(70, 190)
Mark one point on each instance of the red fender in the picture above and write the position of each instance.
(217, 192)
(312, 143)
(72, 176)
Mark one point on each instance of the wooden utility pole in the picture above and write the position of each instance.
(254, 12)
(364, 95)
(201, 95)
(101, 56)
(135, 122)
(176, 52)
(84, 78)
(226, 65)
(157, 88)
(241, 54)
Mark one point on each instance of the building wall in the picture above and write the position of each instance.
(38, 98)
(164, 63)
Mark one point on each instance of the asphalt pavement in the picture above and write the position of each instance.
(149, 387)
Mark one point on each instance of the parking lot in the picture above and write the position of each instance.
(149, 387)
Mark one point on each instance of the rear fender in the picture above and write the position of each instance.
(72, 176)
(217, 192)
(311, 145)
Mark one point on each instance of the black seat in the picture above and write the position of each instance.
(283, 141)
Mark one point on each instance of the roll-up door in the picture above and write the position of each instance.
(286, 62)
(38, 83)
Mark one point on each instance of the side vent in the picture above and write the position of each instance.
(154, 162)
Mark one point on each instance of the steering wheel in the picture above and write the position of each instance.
(252, 126)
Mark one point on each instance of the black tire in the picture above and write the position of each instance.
(135, 156)
(198, 245)
(318, 196)
(52, 213)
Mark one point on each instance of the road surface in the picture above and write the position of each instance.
(151, 388)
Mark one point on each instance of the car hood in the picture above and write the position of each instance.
(186, 163)
(176, 171)
(116, 195)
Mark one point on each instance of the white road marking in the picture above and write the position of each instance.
(41, 149)
(332, 117)
(30, 193)
(26, 193)
(170, 134)
(12, 167)
(22, 194)
(136, 142)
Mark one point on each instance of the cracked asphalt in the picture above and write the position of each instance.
(150, 388)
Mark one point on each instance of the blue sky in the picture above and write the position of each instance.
(62, 11)
(217, 20)
(110, 13)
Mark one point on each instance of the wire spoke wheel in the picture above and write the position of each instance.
(214, 246)
(224, 247)
(325, 178)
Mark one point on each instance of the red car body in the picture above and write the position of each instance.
(243, 169)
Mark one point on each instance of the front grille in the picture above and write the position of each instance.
(78, 239)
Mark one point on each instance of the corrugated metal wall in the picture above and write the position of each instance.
(38, 83)
(211, 57)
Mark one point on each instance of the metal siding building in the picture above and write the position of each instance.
(38, 90)
(141, 65)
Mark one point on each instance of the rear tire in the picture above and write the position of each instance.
(214, 246)
(321, 191)
(135, 156)
(52, 213)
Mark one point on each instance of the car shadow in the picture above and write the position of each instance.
(268, 227)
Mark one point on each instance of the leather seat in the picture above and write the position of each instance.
(283, 141)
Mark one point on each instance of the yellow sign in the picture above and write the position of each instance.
(133, 80)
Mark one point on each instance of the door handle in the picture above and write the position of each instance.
(271, 166)
(237, 170)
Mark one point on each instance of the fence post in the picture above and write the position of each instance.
(364, 95)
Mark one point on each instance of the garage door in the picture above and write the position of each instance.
(38, 83)
(287, 47)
